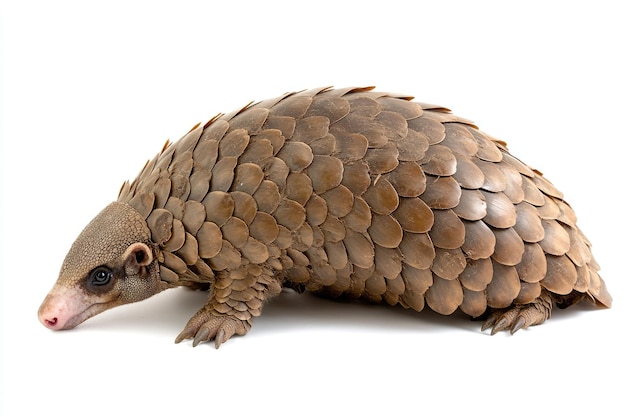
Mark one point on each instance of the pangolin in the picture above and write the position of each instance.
(348, 193)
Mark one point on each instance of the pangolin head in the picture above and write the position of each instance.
(112, 262)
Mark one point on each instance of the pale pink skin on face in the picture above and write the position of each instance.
(66, 308)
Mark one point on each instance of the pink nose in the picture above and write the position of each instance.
(50, 315)
(50, 323)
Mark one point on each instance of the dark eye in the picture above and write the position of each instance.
(100, 276)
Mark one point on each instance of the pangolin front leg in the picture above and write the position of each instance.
(522, 316)
(236, 297)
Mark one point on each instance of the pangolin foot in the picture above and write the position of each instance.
(205, 326)
(519, 317)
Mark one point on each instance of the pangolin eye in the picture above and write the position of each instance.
(100, 276)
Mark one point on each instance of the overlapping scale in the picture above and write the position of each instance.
(316, 210)
(333, 108)
(385, 231)
(549, 210)
(247, 178)
(382, 160)
(441, 192)
(205, 154)
(264, 228)
(160, 224)
(363, 194)
(360, 249)
(209, 238)
(360, 218)
(302, 239)
(560, 276)
(418, 250)
(513, 189)
(189, 251)
(223, 174)
(407, 179)
(350, 147)
(356, 177)
(235, 231)
(468, 174)
(326, 172)
(177, 240)
(445, 295)
(546, 187)
(277, 171)
(494, 178)
(308, 129)
(533, 266)
(448, 231)
(219, 207)
(474, 302)
(417, 280)
(556, 240)
(501, 212)
(193, 216)
(176, 206)
(283, 124)
(438, 160)
(337, 254)
(267, 196)
(459, 139)
(143, 203)
(448, 263)
(297, 155)
(339, 201)
(487, 149)
(480, 240)
(334, 230)
(260, 149)
(290, 214)
(509, 247)
(434, 131)
(388, 261)
(402, 108)
(528, 224)
(528, 293)
(298, 187)
(504, 286)
(412, 147)
(254, 251)
(326, 145)
(477, 274)
(472, 205)
(362, 105)
(199, 183)
(250, 121)
(532, 194)
(294, 108)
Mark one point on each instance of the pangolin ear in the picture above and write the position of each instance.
(136, 257)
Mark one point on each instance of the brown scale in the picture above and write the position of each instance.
(359, 194)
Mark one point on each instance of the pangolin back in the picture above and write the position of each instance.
(361, 194)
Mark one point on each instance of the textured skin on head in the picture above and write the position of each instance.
(349, 193)
(105, 238)
(116, 243)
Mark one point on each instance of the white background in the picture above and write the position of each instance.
(92, 90)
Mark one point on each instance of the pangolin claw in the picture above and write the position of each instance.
(220, 338)
(488, 323)
(519, 317)
(520, 323)
(205, 326)
(502, 323)
(202, 335)
(187, 333)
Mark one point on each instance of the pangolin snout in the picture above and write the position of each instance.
(61, 311)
